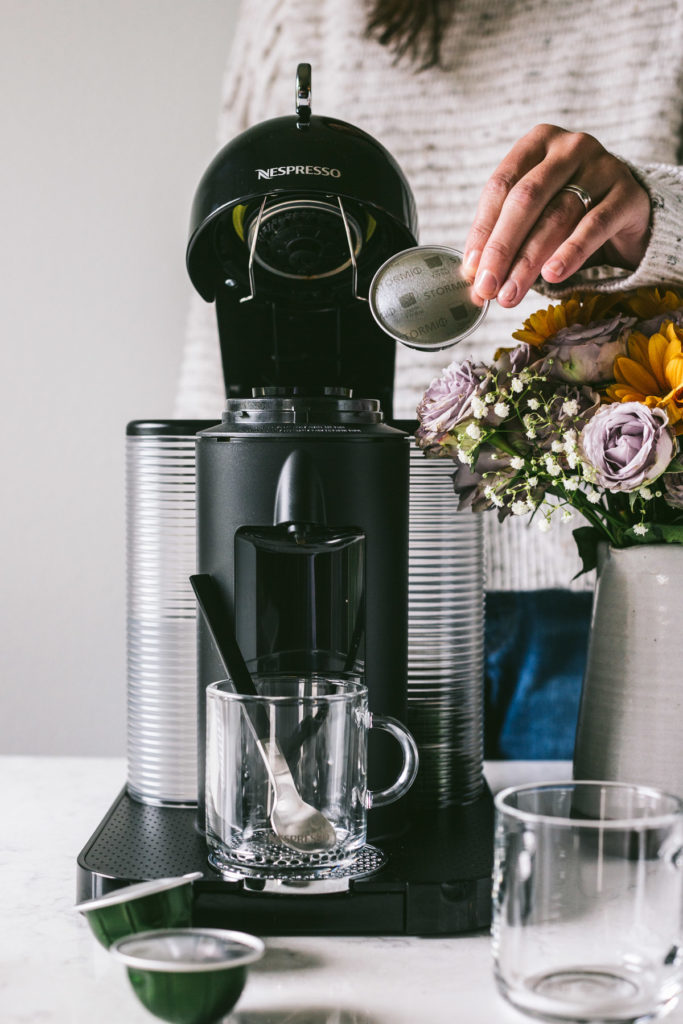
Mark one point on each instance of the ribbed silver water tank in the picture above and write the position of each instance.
(445, 636)
(161, 611)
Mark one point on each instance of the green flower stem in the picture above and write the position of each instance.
(596, 515)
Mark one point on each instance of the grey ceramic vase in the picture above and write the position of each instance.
(630, 724)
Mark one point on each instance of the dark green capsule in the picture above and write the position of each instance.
(188, 975)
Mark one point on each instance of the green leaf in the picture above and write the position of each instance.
(587, 539)
(671, 533)
(657, 533)
(499, 440)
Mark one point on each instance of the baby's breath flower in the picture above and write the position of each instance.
(572, 483)
(557, 446)
(570, 407)
(533, 403)
(501, 409)
(473, 431)
(464, 457)
(645, 493)
(478, 407)
(517, 385)
(570, 436)
(572, 459)
(531, 433)
(489, 397)
(593, 496)
(551, 466)
(517, 462)
(494, 498)
(519, 508)
(544, 524)
(532, 481)
(640, 529)
(567, 515)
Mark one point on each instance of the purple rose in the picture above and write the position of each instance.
(449, 400)
(654, 324)
(514, 360)
(585, 354)
(627, 444)
(673, 487)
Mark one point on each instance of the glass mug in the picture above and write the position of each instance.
(588, 900)
(319, 723)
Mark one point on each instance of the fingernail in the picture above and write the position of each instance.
(554, 267)
(472, 259)
(508, 292)
(486, 284)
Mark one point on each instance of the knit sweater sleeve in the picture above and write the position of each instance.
(662, 262)
(200, 389)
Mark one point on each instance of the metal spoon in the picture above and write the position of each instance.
(297, 824)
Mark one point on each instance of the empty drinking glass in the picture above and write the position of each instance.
(588, 900)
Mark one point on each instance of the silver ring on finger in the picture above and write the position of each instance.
(581, 194)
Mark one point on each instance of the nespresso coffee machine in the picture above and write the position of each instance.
(330, 543)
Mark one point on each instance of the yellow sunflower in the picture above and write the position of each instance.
(580, 308)
(648, 302)
(652, 373)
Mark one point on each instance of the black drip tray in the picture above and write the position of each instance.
(136, 841)
(436, 880)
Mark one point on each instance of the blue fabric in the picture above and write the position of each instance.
(536, 645)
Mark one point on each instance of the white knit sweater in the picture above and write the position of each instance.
(614, 70)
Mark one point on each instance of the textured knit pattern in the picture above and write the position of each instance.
(613, 70)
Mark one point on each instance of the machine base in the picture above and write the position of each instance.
(437, 879)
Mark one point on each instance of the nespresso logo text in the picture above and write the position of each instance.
(276, 172)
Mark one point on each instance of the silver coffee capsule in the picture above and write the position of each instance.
(422, 298)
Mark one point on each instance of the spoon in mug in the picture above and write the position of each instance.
(297, 824)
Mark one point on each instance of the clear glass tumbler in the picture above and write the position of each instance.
(588, 900)
(319, 723)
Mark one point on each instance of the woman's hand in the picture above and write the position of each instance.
(527, 225)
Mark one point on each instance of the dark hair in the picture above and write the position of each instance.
(411, 27)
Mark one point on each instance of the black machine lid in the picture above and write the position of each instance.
(297, 193)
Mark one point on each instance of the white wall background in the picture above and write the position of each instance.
(108, 111)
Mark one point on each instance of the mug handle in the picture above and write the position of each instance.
(411, 760)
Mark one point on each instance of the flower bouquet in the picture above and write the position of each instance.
(582, 416)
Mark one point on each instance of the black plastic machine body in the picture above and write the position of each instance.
(289, 224)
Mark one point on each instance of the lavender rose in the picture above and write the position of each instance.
(673, 488)
(654, 324)
(450, 400)
(514, 360)
(627, 444)
(585, 354)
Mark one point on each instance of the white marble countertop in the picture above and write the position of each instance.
(52, 971)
